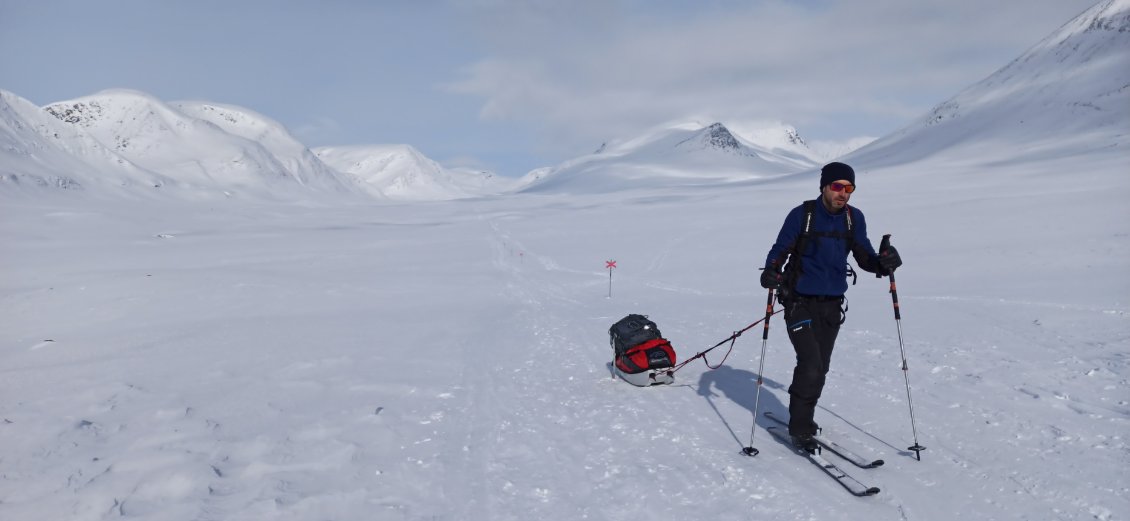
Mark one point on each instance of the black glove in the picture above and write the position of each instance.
(889, 259)
(771, 278)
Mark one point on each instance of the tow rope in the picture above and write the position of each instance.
(732, 339)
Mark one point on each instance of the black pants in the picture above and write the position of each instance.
(813, 325)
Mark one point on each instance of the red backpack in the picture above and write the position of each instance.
(652, 354)
(640, 353)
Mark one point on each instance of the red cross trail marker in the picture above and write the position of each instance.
(610, 264)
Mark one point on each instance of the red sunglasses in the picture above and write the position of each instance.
(842, 187)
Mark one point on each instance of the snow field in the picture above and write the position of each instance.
(450, 360)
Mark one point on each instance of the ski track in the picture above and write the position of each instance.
(1043, 420)
(627, 433)
(1042, 429)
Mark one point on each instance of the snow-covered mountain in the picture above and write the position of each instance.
(41, 152)
(123, 142)
(1070, 88)
(1069, 92)
(403, 173)
(294, 157)
(204, 149)
(677, 155)
(124, 139)
(782, 139)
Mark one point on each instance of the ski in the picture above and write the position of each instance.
(835, 448)
(843, 478)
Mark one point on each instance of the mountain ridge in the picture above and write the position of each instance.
(684, 154)
(1067, 94)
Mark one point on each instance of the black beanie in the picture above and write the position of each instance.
(833, 172)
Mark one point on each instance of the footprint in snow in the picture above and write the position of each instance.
(42, 344)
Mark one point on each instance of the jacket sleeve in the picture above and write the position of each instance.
(862, 249)
(788, 235)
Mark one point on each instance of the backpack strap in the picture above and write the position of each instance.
(809, 208)
(794, 253)
(848, 236)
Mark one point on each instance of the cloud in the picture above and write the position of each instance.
(317, 130)
(526, 83)
(581, 72)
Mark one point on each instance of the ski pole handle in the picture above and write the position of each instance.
(768, 315)
(895, 298)
(883, 245)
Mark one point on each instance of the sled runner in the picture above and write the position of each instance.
(641, 356)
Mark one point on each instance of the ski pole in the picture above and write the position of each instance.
(917, 448)
(750, 451)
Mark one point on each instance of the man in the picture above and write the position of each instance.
(812, 284)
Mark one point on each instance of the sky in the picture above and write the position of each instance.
(510, 86)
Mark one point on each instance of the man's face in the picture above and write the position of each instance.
(836, 194)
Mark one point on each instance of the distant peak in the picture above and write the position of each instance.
(77, 112)
(794, 137)
(88, 110)
(1114, 16)
(720, 137)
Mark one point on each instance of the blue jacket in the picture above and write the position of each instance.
(824, 261)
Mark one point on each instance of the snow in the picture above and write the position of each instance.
(348, 357)
(449, 360)
(1066, 95)
(683, 154)
(403, 173)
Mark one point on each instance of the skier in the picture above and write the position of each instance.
(807, 266)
